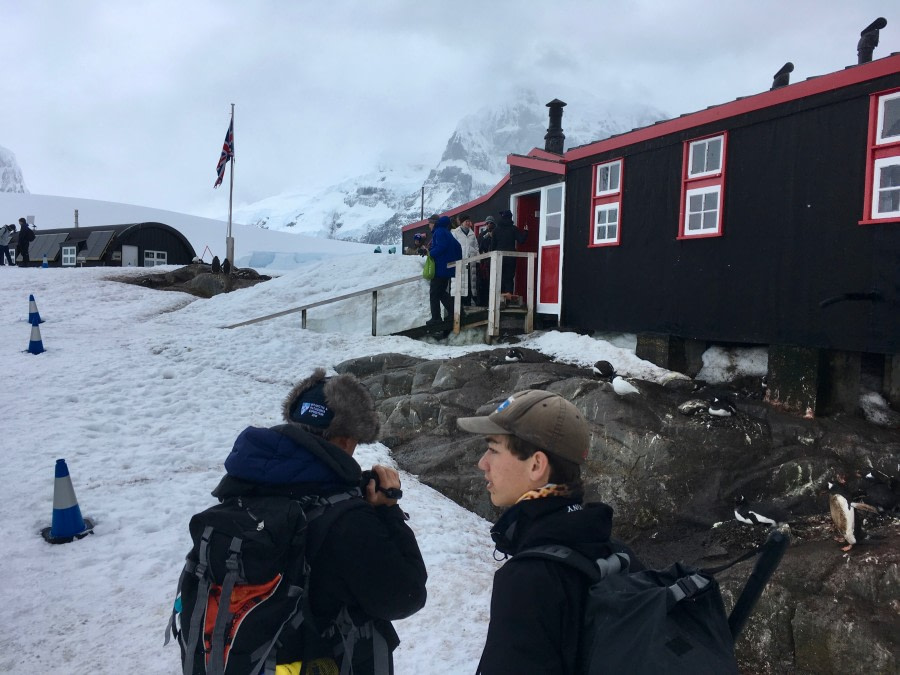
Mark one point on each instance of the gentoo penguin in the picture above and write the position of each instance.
(880, 491)
(623, 387)
(843, 514)
(513, 355)
(693, 406)
(743, 513)
(604, 370)
(721, 407)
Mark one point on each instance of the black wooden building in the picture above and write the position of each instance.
(770, 220)
(129, 245)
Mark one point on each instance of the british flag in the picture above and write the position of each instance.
(227, 154)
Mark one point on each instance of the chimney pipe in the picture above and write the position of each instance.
(868, 40)
(783, 77)
(555, 139)
(76, 219)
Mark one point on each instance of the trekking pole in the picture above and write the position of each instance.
(768, 561)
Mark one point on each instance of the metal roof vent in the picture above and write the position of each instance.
(868, 40)
(783, 77)
(555, 139)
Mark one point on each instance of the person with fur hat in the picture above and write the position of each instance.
(536, 444)
(369, 561)
(6, 233)
(444, 249)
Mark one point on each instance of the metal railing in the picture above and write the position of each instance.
(494, 303)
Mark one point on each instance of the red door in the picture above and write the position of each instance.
(527, 215)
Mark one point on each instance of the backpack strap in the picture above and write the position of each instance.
(196, 621)
(595, 570)
(223, 616)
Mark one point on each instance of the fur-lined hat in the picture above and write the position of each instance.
(339, 405)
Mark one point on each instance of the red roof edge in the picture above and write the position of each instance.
(555, 165)
(809, 87)
(465, 207)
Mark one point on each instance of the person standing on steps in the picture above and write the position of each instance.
(444, 249)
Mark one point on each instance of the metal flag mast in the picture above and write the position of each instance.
(229, 240)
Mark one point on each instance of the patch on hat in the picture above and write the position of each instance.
(311, 408)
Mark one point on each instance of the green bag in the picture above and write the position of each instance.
(428, 270)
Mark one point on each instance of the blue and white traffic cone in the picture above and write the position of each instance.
(34, 318)
(44, 264)
(67, 524)
(36, 345)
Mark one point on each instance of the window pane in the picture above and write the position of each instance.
(694, 221)
(611, 232)
(553, 227)
(613, 216)
(889, 201)
(603, 179)
(709, 220)
(554, 200)
(601, 217)
(614, 172)
(695, 203)
(891, 124)
(714, 155)
(710, 200)
(890, 176)
(697, 164)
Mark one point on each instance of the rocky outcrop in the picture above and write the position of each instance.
(672, 475)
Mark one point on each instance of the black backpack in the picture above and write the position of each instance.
(254, 551)
(670, 621)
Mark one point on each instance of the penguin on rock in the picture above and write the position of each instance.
(513, 355)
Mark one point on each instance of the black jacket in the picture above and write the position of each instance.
(507, 235)
(537, 605)
(369, 560)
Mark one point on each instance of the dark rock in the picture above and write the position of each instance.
(672, 479)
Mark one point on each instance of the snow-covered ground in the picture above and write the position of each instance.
(143, 393)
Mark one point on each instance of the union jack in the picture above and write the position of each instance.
(227, 154)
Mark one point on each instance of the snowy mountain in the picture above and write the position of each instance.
(373, 207)
(11, 179)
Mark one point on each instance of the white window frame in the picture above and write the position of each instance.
(598, 191)
(155, 258)
(687, 211)
(609, 206)
(878, 129)
(547, 213)
(876, 190)
(691, 174)
(68, 255)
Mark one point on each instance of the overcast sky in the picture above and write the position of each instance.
(129, 101)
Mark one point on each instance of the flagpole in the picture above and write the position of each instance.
(229, 240)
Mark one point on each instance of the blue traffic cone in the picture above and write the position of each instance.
(67, 524)
(36, 345)
(44, 263)
(34, 318)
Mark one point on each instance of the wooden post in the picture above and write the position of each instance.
(374, 311)
(303, 319)
(529, 295)
(493, 324)
(457, 295)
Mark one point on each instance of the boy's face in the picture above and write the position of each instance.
(508, 477)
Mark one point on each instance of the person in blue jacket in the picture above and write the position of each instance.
(444, 249)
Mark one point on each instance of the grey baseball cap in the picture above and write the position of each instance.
(540, 417)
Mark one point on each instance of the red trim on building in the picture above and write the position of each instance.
(465, 207)
(874, 152)
(611, 198)
(713, 180)
(810, 87)
(555, 166)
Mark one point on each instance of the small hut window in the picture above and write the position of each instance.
(703, 187)
(154, 258)
(882, 200)
(68, 256)
(607, 203)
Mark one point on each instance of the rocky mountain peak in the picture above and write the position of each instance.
(11, 179)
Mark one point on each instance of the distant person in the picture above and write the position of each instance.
(5, 235)
(536, 443)
(506, 236)
(26, 236)
(485, 245)
(468, 279)
(444, 249)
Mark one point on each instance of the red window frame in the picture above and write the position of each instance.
(716, 179)
(874, 152)
(605, 200)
